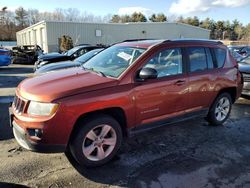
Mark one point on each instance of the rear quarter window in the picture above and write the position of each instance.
(220, 55)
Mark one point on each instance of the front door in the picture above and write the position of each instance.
(165, 96)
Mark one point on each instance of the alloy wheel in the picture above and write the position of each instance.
(222, 109)
(99, 142)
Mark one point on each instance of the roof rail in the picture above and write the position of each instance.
(194, 40)
(132, 40)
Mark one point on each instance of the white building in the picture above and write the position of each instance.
(47, 33)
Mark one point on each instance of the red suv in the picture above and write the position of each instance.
(125, 89)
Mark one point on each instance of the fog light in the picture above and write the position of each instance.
(38, 133)
(35, 133)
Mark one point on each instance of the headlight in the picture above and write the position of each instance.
(42, 109)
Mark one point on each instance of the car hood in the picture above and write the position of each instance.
(57, 66)
(244, 67)
(59, 84)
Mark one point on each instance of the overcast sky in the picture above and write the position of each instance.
(215, 9)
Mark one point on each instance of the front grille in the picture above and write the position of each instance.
(246, 77)
(19, 105)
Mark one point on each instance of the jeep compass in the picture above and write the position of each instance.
(125, 89)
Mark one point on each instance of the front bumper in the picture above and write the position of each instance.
(246, 88)
(24, 139)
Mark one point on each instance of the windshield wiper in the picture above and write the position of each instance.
(99, 72)
(93, 70)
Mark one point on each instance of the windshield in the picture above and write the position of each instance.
(71, 51)
(85, 57)
(114, 60)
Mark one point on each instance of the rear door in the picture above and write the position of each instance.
(202, 77)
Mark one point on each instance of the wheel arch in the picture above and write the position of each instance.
(230, 90)
(115, 112)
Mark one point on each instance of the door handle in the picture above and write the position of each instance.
(180, 82)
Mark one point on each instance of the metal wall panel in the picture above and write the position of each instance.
(85, 33)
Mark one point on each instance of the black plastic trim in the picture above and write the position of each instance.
(145, 127)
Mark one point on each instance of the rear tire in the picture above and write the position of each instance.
(220, 109)
(96, 141)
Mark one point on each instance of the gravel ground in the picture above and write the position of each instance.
(188, 154)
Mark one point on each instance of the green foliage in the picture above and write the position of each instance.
(220, 29)
(246, 33)
(135, 17)
(138, 17)
(66, 43)
(115, 19)
(158, 18)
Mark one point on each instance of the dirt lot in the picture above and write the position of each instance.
(189, 154)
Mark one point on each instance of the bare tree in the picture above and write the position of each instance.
(33, 16)
(21, 17)
(72, 14)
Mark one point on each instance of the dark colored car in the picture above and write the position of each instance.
(236, 55)
(26, 54)
(244, 67)
(68, 64)
(125, 89)
(69, 55)
(242, 50)
(5, 58)
(245, 51)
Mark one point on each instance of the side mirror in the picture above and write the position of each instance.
(147, 73)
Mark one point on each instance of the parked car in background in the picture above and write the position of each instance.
(68, 55)
(68, 64)
(125, 89)
(242, 50)
(245, 51)
(244, 67)
(236, 55)
(26, 54)
(5, 57)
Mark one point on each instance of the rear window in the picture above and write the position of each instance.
(220, 55)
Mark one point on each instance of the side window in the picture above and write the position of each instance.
(220, 55)
(210, 63)
(81, 52)
(197, 59)
(167, 62)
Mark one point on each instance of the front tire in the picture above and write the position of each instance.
(220, 110)
(96, 141)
